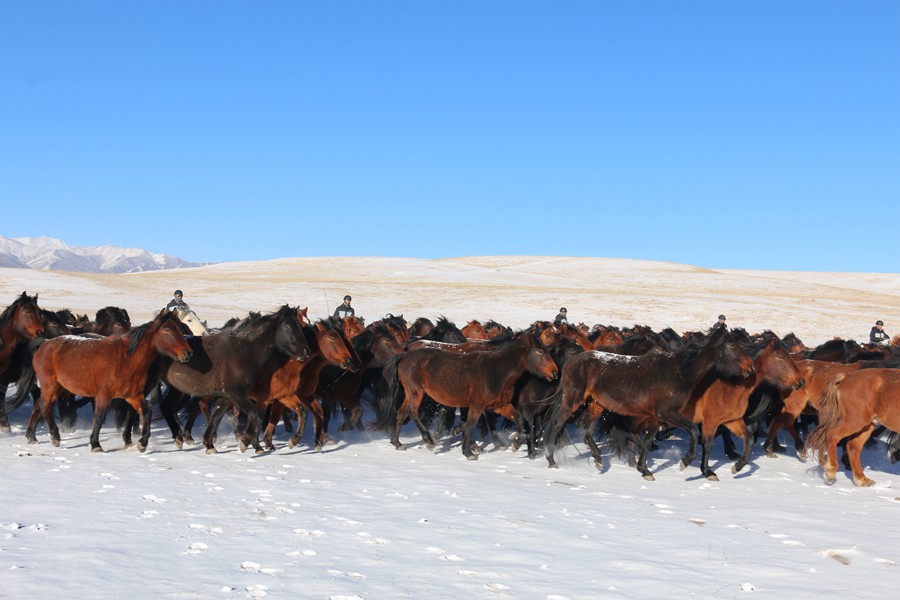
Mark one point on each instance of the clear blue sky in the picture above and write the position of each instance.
(721, 134)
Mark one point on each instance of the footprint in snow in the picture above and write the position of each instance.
(197, 548)
(369, 539)
(153, 498)
(254, 567)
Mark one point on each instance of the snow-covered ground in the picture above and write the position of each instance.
(363, 520)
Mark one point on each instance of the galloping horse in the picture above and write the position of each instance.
(20, 322)
(228, 362)
(725, 401)
(850, 406)
(488, 383)
(294, 384)
(653, 387)
(104, 368)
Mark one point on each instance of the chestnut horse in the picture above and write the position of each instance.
(20, 322)
(488, 383)
(851, 405)
(115, 366)
(109, 320)
(474, 330)
(654, 387)
(294, 384)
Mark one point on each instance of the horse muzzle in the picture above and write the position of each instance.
(749, 371)
(185, 356)
(800, 384)
(553, 376)
(303, 355)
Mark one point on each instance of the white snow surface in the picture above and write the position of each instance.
(363, 520)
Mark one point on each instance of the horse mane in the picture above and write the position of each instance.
(11, 309)
(447, 331)
(113, 314)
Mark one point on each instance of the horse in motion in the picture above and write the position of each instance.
(20, 322)
(190, 320)
(104, 368)
(652, 387)
(851, 406)
(478, 381)
(227, 363)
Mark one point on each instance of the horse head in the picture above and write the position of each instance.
(190, 319)
(24, 317)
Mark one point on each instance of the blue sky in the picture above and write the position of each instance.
(761, 135)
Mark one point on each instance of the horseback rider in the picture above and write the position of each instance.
(561, 317)
(878, 335)
(177, 302)
(344, 310)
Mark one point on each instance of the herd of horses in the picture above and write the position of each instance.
(623, 388)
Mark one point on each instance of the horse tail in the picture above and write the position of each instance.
(27, 378)
(829, 415)
(761, 400)
(391, 397)
(618, 434)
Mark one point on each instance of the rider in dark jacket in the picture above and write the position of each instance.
(878, 335)
(177, 302)
(561, 317)
(344, 310)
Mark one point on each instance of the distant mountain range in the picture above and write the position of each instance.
(50, 254)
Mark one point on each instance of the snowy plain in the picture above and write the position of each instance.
(363, 520)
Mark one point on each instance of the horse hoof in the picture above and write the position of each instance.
(771, 453)
(802, 455)
(141, 447)
(127, 445)
(429, 446)
(400, 447)
(259, 451)
(682, 465)
(96, 449)
(319, 448)
(736, 469)
(6, 429)
(329, 440)
(212, 451)
(188, 440)
(599, 465)
(55, 442)
(242, 447)
(649, 477)
(179, 443)
(472, 457)
(864, 482)
(712, 477)
(32, 440)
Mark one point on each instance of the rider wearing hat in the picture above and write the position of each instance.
(344, 310)
(878, 335)
(177, 302)
(561, 317)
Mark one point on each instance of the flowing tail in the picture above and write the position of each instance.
(829, 415)
(389, 399)
(27, 380)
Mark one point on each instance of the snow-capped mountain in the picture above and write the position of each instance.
(54, 255)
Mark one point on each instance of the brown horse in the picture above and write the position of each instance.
(488, 384)
(353, 326)
(576, 334)
(294, 384)
(851, 406)
(653, 387)
(817, 374)
(474, 330)
(725, 401)
(104, 368)
(20, 322)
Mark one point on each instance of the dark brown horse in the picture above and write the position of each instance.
(851, 406)
(488, 383)
(228, 362)
(20, 322)
(109, 320)
(104, 368)
(654, 387)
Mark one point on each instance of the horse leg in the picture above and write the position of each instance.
(854, 448)
(164, 402)
(212, 425)
(674, 417)
(646, 439)
(101, 405)
(471, 421)
(274, 412)
(142, 406)
(37, 413)
(413, 411)
(4, 419)
(739, 428)
(705, 449)
(318, 412)
(730, 449)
